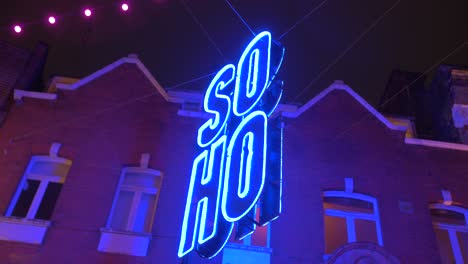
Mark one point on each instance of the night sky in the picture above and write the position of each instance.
(413, 36)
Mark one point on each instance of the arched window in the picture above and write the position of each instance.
(40, 186)
(451, 228)
(350, 217)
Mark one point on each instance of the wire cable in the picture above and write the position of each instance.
(101, 111)
(192, 80)
(348, 48)
(304, 18)
(459, 47)
(368, 114)
(240, 17)
(207, 35)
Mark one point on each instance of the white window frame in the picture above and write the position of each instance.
(44, 181)
(452, 229)
(138, 191)
(351, 216)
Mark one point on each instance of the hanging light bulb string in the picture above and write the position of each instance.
(53, 19)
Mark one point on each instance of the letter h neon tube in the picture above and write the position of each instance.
(203, 199)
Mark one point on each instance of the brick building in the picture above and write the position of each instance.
(95, 170)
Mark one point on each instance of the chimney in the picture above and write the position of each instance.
(19, 69)
(31, 77)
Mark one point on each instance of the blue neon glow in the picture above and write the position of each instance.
(246, 235)
(244, 185)
(257, 55)
(186, 231)
(233, 205)
(276, 104)
(281, 170)
(228, 176)
(254, 226)
(216, 103)
(208, 206)
(283, 50)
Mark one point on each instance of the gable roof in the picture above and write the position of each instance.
(392, 123)
(340, 85)
(132, 59)
(287, 110)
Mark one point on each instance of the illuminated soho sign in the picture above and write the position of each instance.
(239, 164)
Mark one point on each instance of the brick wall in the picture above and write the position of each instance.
(99, 146)
(338, 138)
(322, 147)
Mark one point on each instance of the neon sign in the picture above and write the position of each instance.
(240, 160)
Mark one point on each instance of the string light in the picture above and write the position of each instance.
(52, 20)
(17, 29)
(87, 12)
(124, 7)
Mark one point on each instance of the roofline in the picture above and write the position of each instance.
(399, 124)
(287, 110)
(132, 59)
(340, 85)
(20, 94)
(292, 111)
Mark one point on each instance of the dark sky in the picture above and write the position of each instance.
(413, 36)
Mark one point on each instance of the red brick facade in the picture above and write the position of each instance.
(334, 139)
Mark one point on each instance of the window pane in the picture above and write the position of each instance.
(122, 210)
(50, 168)
(348, 205)
(445, 248)
(365, 231)
(141, 179)
(260, 236)
(145, 213)
(447, 216)
(463, 240)
(25, 199)
(336, 233)
(48, 201)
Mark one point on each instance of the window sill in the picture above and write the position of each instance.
(124, 242)
(249, 247)
(239, 253)
(31, 231)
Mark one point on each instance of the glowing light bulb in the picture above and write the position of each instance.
(87, 12)
(17, 29)
(52, 20)
(124, 7)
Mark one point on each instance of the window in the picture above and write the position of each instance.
(350, 217)
(128, 228)
(39, 188)
(26, 218)
(451, 229)
(254, 248)
(135, 200)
